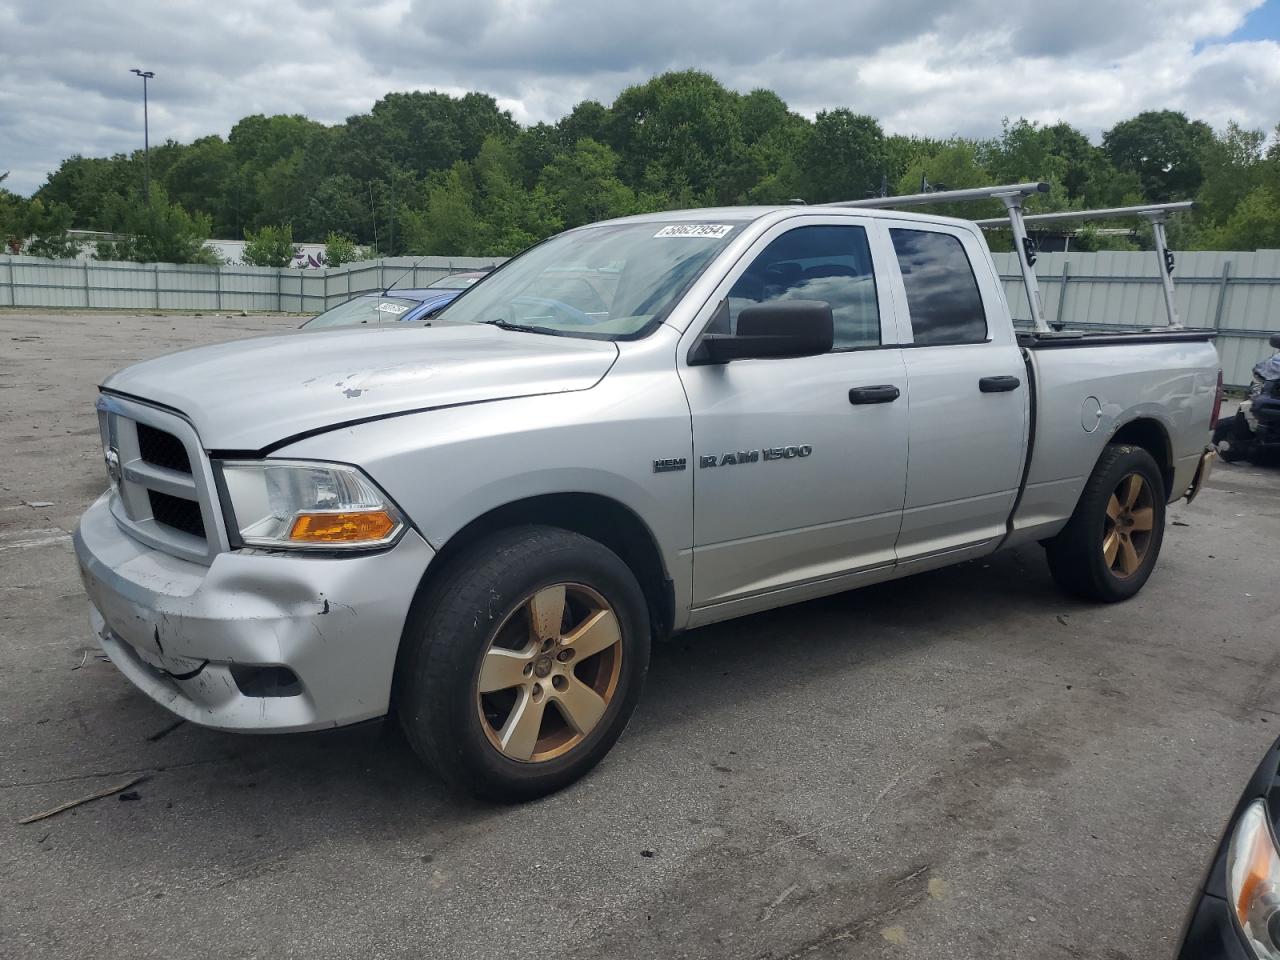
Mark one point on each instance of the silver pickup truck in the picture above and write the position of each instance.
(481, 522)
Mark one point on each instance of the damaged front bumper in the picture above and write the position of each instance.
(254, 642)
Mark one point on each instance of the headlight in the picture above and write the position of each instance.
(304, 505)
(1253, 881)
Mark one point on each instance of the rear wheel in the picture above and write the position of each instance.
(523, 663)
(1110, 545)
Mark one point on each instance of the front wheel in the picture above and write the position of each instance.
(1110, 545)
(523, 663)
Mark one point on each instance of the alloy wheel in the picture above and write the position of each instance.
(550, 672)
(1126, 533)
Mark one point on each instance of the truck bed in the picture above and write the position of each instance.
(1097, 338)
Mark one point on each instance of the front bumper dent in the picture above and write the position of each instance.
(181, 631)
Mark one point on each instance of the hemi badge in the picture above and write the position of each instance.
(668, 465)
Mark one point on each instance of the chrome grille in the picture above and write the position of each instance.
(163, 492)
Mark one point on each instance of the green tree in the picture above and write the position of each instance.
(1164, 149)
(844, 157)
(1234, 167)
(955, 164)
(904, 153)
(426, 167)
(46, 226)
(34, 227)
(340, 249)
(1089, 240)
(199, 179)
(514, 217)
(421, 132)
(584, 186)
(589, 120)
(13, 211)
(770, 170)
(270, 246)
(447, 223)
(680, 133)
(337, 204)
(156, 231)
(1253, 225)
(92, 187)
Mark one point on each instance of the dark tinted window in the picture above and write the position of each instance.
(942, 292)
(832, 264)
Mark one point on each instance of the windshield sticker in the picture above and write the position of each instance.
(713, 231)
(396, 308)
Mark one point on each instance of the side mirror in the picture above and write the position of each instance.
(790, 328)
(1275, 340)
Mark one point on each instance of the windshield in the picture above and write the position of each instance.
(457, 281)
(608, 282)
(370, 310)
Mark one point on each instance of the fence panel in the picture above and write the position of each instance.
(98, 284)
(1236, 293)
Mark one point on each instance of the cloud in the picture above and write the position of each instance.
(922, 66)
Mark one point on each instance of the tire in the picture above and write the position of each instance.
(1109, 547)
(1233, 440)
(491, 621)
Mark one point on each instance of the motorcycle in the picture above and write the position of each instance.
(1254, 432)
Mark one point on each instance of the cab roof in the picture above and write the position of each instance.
(750, 214)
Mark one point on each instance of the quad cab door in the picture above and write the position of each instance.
(968, 404)
(799, 463)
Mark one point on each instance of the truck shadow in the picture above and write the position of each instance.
(352, 777)
(855, 629)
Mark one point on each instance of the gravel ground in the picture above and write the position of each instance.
(962, 764)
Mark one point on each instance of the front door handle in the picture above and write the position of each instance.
(998, 384)
(881, 393)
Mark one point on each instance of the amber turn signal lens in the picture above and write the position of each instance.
(356, 527)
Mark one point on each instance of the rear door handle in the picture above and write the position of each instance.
(881, 393)
(998, 384)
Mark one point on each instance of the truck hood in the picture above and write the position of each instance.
(252, 394)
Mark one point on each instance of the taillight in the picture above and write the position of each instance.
(1217, 403)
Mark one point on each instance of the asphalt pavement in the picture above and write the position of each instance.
(963, 764)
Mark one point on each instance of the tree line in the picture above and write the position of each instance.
(429, 173)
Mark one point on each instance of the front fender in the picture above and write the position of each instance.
(448, 467)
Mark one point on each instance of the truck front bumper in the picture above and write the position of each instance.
(254, 642)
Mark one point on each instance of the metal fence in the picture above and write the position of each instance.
(94, 284)
(1237, 294)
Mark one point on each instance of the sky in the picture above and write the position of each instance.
(935, 67)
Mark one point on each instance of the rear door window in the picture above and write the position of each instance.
(942, 292)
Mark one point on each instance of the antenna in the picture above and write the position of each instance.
(413, 266)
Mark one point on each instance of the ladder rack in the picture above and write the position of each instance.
(1155, 213)
(1012, 195)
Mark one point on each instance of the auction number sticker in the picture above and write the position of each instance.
(713, 231)
(396, 308)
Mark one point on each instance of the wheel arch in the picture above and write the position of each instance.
(1152, 436)
(593, 515)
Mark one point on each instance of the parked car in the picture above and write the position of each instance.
(1253, 433)
(484, 523)
(396, 306)
(1236, 912)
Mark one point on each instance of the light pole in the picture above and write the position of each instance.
(146, 136)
